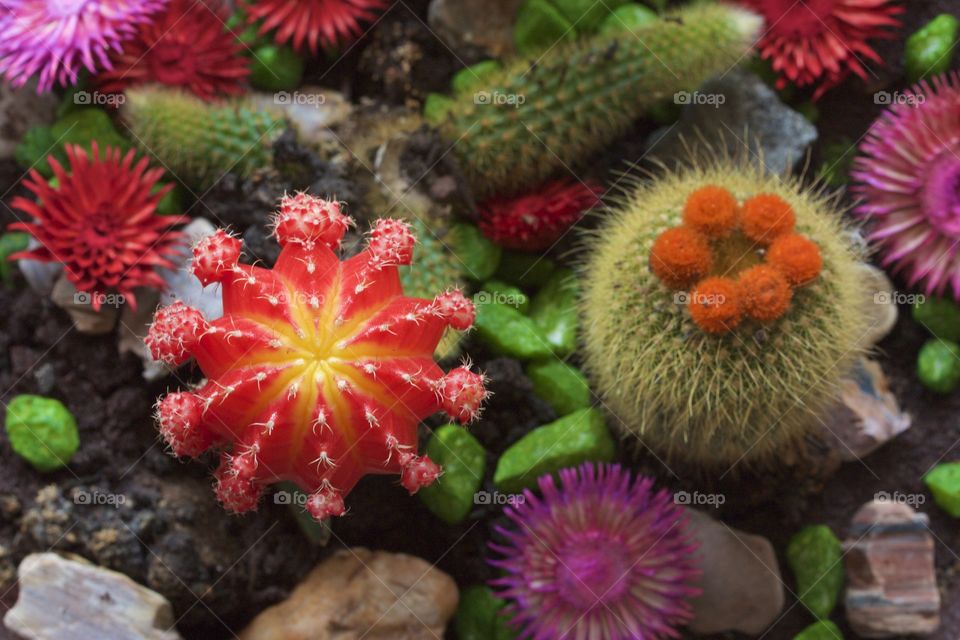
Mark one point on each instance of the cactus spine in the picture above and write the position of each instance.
(717, 400)
(197, 141)
(533, 119)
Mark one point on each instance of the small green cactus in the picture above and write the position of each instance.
(435, 268)
(531, 120)
(199, 142)
(717, 400)
(42, 431)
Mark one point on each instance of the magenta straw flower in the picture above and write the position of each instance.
(908, 175)
(601, 557)
(55, 39)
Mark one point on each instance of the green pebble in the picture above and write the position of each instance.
(11, 243)
(554, 310)
(474, 75)
(560, 385)
(464, 462)
(929, 50)
(938, 365)
(939, 316)
(814, 554)
(275, 68)
(478, 256)
(823, 630)
(944, 483)
(42, 431)
(525, 270)
(500, 292)
(628, 17)
(577, 437)
(509, 332)
(478, 616)
(539, 26)
(436, 106)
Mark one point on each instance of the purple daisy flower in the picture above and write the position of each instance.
(56, 38)
(601, 557)
(908, 175)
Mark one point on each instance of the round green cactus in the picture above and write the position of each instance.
(717, 400)
(42, 431)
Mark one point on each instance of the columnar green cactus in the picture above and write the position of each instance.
(534, 119)
(718, 399)
(196, 141)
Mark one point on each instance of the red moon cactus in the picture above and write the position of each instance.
(319, 370)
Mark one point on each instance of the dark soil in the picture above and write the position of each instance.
(219, 570)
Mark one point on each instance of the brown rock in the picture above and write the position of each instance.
(483, 24)
(70, 598)
(742, 588)
(358, 593)
(891, 581)
(868, 416)
(80, 308)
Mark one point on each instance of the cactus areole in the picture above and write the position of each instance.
(319, 371)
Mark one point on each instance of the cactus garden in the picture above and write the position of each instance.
(479, 319)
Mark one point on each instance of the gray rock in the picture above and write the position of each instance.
(183, 285)
(71, 598)
(486, 25)
(41, 276)
(21, 109)
(741, 114)
(741, 583)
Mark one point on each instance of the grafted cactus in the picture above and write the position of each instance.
(319, 370)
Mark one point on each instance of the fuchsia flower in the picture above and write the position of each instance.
(55, 39)
(601, 557)
(908, 176)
